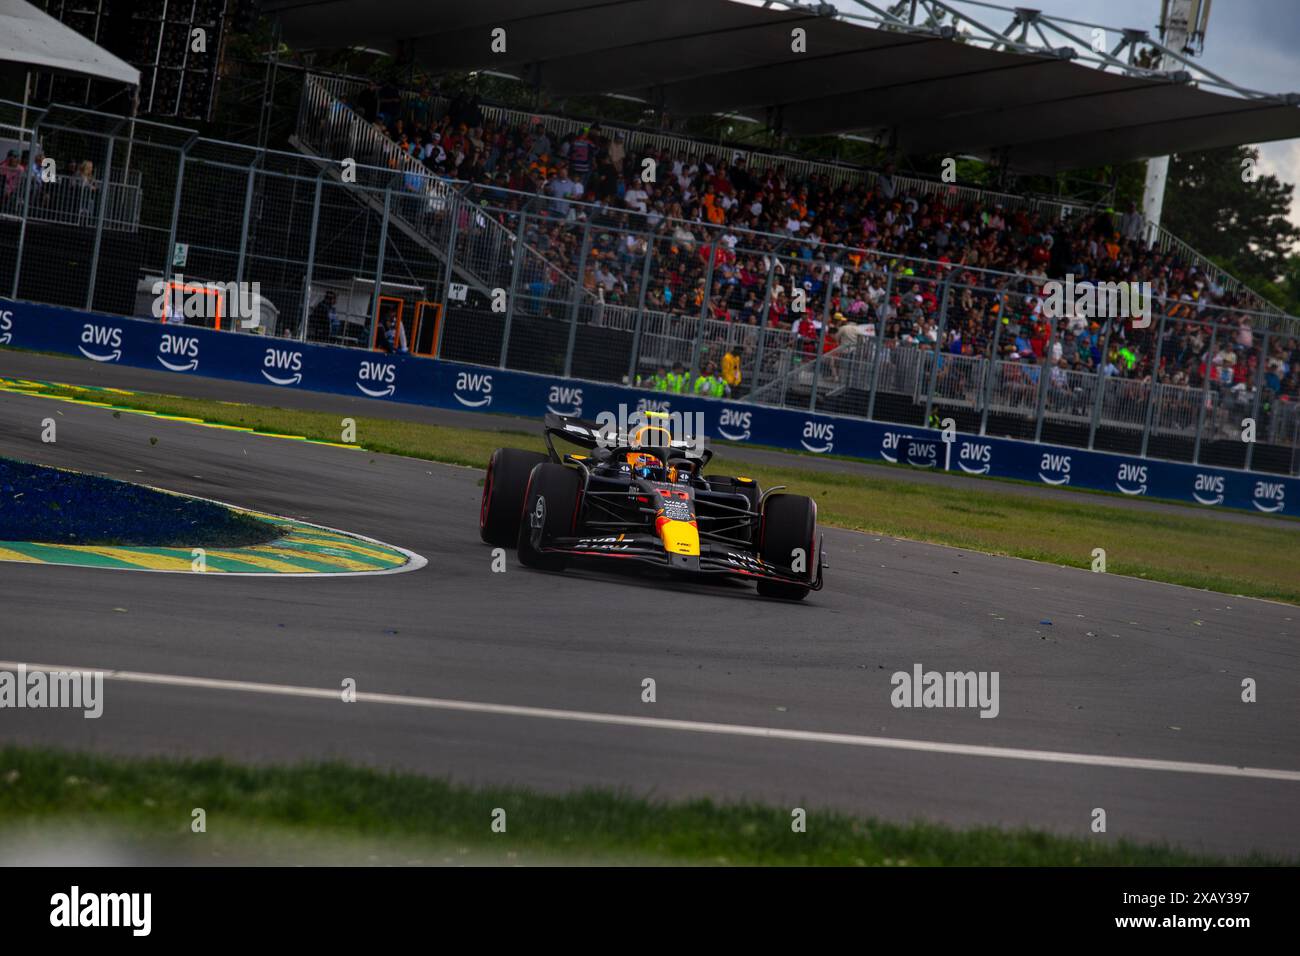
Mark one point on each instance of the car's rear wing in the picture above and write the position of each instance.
(594, 435)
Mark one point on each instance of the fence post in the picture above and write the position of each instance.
(880, 346)
(1294, 440)
(176, 206)
(821, 339)
(373, 318)
(309, 92)
(99, 224)
(248, 215)
(27, 205)
(762, 321)
(1259, 394)
(1042, 379)
(577, 297)
(452, 235)
(311, 256)
(1102, 382)
(634, 360)
(938, 348)
(991, 366)
(521, 250)
(694, 370)
(1155, 383)
(1205, 393)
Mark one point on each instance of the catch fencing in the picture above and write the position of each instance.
(351, 242)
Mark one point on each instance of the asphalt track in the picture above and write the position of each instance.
(1119, 703)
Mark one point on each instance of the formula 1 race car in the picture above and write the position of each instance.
(642, 496)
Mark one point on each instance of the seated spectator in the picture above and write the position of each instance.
(676, 379)
(707, 215)
(709, 384)
(392, 335)
(658, 381)
(11, 171)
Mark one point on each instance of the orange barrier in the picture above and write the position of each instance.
(422, 343)
(184, 288)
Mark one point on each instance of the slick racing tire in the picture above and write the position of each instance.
(556, 488)
(503, 495)
(789, 525)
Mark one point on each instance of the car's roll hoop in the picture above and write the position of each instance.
(594, 436)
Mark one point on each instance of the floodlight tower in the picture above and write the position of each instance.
(1182, 28)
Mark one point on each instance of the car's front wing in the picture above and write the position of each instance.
(647, 549)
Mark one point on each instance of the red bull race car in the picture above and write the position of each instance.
(642, 496)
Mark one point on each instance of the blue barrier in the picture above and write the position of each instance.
(187, 350)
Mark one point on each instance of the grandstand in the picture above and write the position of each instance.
(812, 284)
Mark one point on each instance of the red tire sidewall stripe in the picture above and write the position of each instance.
(528, 493)
(487, 492)
(812, 543)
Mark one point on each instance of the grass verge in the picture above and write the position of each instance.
(334, 813)
(1198, 551)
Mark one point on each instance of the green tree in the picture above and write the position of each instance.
(1218, 202)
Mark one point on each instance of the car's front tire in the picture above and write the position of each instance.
(789, 529)
(557, 488)
(503, 495)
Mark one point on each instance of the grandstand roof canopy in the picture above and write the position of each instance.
(34, 38)
(923, 92)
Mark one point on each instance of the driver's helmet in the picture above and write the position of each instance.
(645, 466)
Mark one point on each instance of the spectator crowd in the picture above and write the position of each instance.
(764, 248)
(69, 194)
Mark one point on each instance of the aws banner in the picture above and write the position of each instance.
(283, 363)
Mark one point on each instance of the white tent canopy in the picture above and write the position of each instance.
(34, 38)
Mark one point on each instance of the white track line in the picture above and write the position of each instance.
(692, 726)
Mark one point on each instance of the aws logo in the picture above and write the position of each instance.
(652, 405)
(1055, 469)
(916, 452)
(889, 447)
(282, 360)
(1211, 486)
(1129, 476)
(823, 433)
(980, 458)
(381, 375)
(101, 338)
(473, 389)
(6, 327)
(564, 400)
(1272, 493)
(922, 454)
(179, 347)
(734, 424)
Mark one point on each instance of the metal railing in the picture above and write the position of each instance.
(330, 128)
(587, 292)
(639, 139)
(60, 189)
(74, 201)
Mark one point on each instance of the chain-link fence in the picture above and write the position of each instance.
(353, 242)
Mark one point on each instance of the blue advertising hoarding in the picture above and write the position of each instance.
(284, 363)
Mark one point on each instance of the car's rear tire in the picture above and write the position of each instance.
(558, 487)
(789, 525)
(503, 495)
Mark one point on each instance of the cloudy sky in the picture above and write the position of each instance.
(1253, 43)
